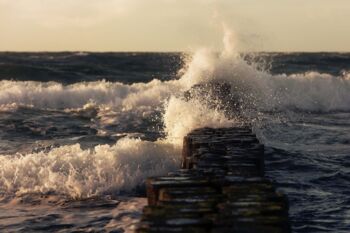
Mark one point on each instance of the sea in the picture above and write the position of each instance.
(81, 131)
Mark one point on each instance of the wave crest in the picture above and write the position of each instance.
(74, 172)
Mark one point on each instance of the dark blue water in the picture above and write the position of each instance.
(70, 68)
(51, 102)
(65, 67)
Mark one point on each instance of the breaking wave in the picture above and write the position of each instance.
(75, 172)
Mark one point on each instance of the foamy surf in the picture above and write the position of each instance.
(54, 95)
(304, 91)
(71, 171)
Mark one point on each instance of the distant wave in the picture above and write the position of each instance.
(52, 95)
(311, 91)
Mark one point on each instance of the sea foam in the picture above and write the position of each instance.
(69, 170)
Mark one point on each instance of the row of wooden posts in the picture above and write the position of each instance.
(220, 188)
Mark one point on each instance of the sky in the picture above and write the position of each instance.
(173, 25)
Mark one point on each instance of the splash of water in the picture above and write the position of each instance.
(257, 88)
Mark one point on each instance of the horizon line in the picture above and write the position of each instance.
(155, 51)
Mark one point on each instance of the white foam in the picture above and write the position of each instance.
(71, 171)
(8, 107)
(311, 91)
(182, 116)
(54, 95)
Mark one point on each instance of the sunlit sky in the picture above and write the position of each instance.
(173, 25)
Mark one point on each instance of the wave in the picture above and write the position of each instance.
(54, 95)
(80, 173)
(75, 172)
(257, 88)
(69, 170)
(310, 91)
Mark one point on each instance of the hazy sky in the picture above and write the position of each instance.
(173, 25)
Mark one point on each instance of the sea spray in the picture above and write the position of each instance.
(259, 90)
(183, 116)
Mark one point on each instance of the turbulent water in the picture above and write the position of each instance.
(80, 132)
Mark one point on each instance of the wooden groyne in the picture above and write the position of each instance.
(220, 188)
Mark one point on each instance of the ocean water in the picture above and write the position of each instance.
(80, 132)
